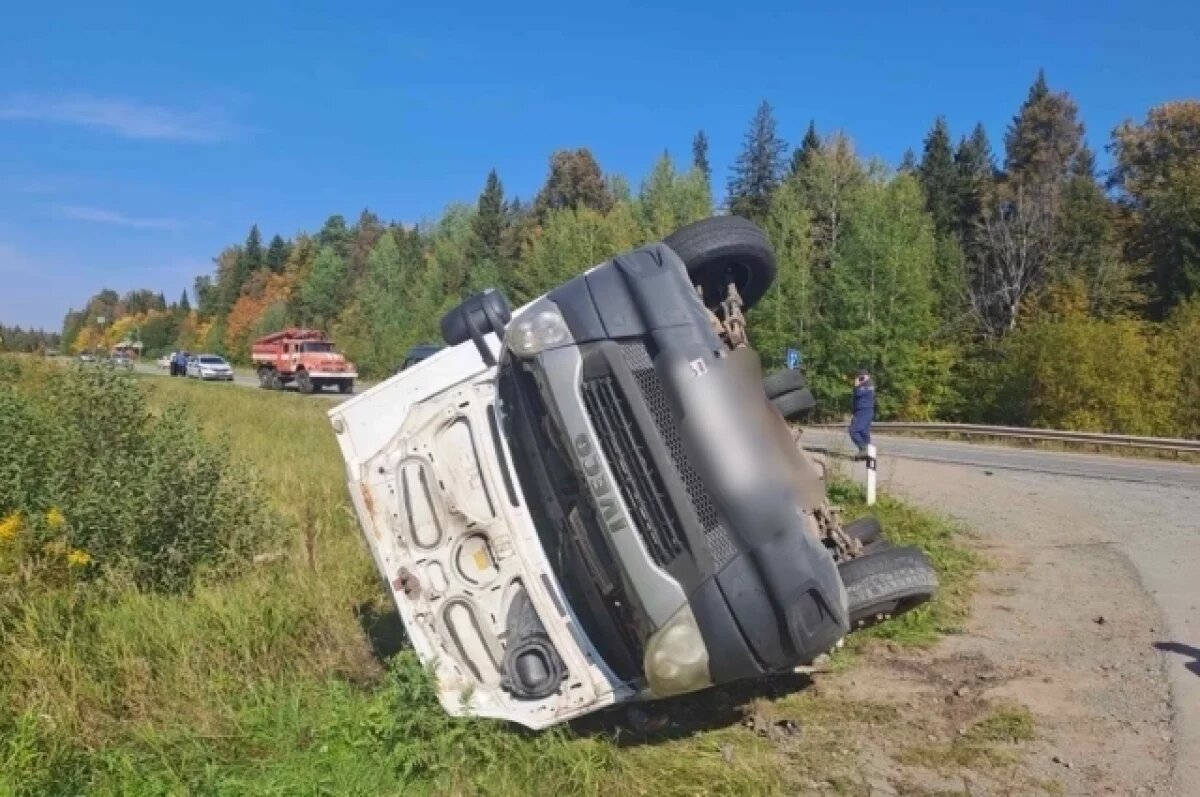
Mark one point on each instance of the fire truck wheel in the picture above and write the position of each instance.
(303, 383)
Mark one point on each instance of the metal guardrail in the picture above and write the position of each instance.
(1047, 435)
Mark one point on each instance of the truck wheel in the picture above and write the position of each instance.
(303, 383)
(725, 248)
(346, 386)
(887, 583)
(276, 383)
(264, 378)
(784, 381)
(796, 404)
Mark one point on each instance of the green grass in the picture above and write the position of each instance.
(267, 684)
(941, 540)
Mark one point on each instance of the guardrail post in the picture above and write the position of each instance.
(872, 469)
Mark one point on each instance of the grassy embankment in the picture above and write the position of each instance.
(265, 681)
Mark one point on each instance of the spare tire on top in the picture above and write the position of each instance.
(724, 248)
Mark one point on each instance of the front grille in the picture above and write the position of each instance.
(719, 540)
(639, 481)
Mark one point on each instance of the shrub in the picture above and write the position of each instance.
(91, 484)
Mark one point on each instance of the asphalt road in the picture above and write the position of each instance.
(1144, 511)
(244, 379)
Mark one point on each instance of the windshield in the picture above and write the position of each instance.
(211, 361)
(317, 347)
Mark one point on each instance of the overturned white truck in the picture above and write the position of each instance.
(597, 499)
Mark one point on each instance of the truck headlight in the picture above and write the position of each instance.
(676, 658)
(537, 332)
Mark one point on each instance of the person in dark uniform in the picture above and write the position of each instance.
(864, 411)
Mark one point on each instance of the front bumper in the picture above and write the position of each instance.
(333, 375)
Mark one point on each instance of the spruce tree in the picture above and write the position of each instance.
(803, 154)
(1043, 138)
(487, 227)
(938, 177)
(277, 254)
(252, 252)
(976, 169)
(756, 173)
(575, 181)
(700, 155)
(184, 305)
(908, 163)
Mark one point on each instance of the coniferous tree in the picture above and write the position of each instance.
(252, 252)
(1085, 250)
(976, 169)
(1043, 138)
(1158, 174)
(700, 155)
(756, 173)
(334, 234)
(575, 181)
(487, 227)
(908, 163)
(184, 305)
(277, 254)
(803, 154)
(938, 177)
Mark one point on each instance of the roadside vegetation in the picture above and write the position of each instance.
(192, 612)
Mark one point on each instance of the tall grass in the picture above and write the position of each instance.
(267, 683)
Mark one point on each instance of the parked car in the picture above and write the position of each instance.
(121, 362)
(419, 353)
(164, 363)
(209, 366)
(593, 499)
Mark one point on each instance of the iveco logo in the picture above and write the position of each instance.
(602, 493)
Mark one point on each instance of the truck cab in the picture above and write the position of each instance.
(590, 500)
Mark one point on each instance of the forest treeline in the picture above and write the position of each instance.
(27, 339)
(1017, 285)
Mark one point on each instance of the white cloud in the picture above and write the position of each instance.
(103, 216)
(128, 118)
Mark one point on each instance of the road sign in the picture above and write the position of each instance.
(793, 359)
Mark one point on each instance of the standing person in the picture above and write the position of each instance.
(864, 411)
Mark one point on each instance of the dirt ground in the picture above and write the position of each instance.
(1061, 627)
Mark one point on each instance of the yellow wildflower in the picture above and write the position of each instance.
(10, 526)
(78, 558)
(55, 519)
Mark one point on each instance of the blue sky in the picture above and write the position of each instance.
(137, 139)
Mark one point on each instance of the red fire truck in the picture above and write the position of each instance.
(303, 356)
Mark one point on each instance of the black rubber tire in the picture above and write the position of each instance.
(784, 381)
(887, 583)
(866, 529)
(303, 383)
(346, 386)
(721, 247)
(795, 405)
(276, 383)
